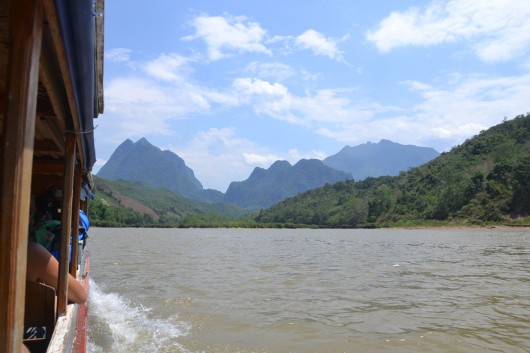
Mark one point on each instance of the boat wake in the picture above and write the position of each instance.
(117, 325)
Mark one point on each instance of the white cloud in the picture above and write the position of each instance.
(275, 100)
(260, 160)
(141, 97)
(274, 70)
(219, 156)
(296, 155)
(265, 160)
(330, 106)
(142, 106)
(446, 116)
(272, 99)
(458, 132)
(473, 103)
(259, 87)
(498, 29)
(162, 90)
(168, 67)
(118, 54)
(159, 91)
(97, 166)
(319, 44)
(226, 34)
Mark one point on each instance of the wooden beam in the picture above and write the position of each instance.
(47, 146)
(50, 12)
(55, 91)
(66, 224)
(48, 166)
(44, 107)
(75, 220)
(18, 128)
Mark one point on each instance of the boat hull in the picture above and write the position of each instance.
(79, 345)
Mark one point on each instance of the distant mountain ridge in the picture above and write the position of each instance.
(378, 159)
(141, 161)
(265, 187)
(484, 180)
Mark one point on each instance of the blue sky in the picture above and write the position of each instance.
(236, 84)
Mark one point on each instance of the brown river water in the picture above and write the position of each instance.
(280, 291)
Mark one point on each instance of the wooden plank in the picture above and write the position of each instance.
(48, 166)
(39, 312)
(26, 22)
(75, 220)
(66, 223)
(55, 92)
(50, 12)
(64, 331)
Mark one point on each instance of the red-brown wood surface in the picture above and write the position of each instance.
(79, 345)
(75, 221)
(66, 224)
(26, 20)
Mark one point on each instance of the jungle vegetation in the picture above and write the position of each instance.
(485, 180)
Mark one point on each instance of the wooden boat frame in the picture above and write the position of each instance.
(51, 90)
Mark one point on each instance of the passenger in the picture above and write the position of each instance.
(43, 267)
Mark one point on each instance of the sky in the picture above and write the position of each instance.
(236, 84)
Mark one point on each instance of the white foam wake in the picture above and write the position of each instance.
(117, 325)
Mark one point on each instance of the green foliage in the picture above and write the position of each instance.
(485, 180)
(133, 204)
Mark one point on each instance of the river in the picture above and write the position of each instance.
(279, 291)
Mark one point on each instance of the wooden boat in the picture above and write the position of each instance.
(51, 90)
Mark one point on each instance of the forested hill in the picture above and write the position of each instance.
(123, 203)
(486, 179)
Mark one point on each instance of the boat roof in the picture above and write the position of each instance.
(70, 94)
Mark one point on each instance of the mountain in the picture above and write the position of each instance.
(484, 180)
(377, 159)
(141, 161)
(265, 187)
(121, 203)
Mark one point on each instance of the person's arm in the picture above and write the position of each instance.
(44, 267)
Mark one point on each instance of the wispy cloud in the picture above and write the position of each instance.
(309, 110)
(157, 92)
(162, 91)
(271, 99)
(118, 54)
(319, 44)
(445, 116)
(167, 67)
(221, 156)
(498, 30)
(270, 70)
(470, 104)
(226, 34)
